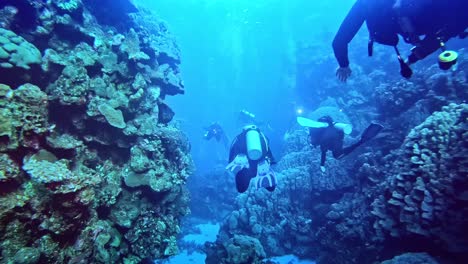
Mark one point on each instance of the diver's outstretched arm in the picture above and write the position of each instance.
(348, 29)
(371, 131)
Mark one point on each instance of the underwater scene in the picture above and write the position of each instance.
(234, 131)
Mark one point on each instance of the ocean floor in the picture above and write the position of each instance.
(207, 232)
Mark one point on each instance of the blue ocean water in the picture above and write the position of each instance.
(236, 55)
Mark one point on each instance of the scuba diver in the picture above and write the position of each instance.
(437, 21)
(250, 158)
(216, 131)
(329, 135)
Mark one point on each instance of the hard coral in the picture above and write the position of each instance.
(68, 5)
(24, 114)
(94, 115)
(15, 51)
(424, 187)
(8, 168)
(113, 116)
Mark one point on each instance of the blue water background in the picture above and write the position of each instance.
(240, 55)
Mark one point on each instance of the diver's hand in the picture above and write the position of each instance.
(240, 162)
(323, 169)
(343, 73)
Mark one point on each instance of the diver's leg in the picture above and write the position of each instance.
(337, 149)
(337, 153)
(272, 182)
(323, 156)
(243, 178)
(346, 150)
(371, 131)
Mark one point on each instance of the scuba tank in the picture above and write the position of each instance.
(253, 140)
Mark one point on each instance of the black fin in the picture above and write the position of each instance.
(371, 131)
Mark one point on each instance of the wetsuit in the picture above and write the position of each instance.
(362, 11)
(330, 138)
(239, 146)
(431, 18)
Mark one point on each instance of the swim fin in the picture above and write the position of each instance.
(371, 131)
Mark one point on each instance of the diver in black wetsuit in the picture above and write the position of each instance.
(437, 21)
(331, 138)
(216, 131)
(250, 158)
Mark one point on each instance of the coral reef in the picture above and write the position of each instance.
(426, 186)
(413, 194)
(405, 191)
(15, 51)
(91, 170)
(24, 116)
(238, 249)
(412, 258)
(218, 197)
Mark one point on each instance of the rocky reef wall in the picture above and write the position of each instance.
(91, 170)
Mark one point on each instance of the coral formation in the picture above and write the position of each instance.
(68, 5)
(8, 168)
(15, 51)
(403, 191)
(25, 116)
(412, 258)
(91, 170)
(426, 182)
(238, 249)
(219, 196)
(114, 117)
